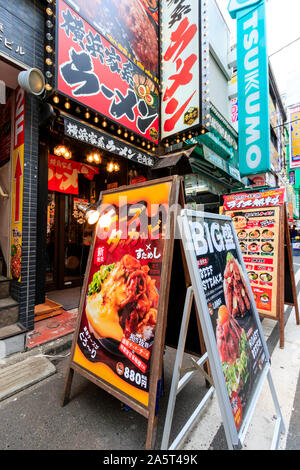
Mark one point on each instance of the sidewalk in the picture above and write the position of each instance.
(34, 419)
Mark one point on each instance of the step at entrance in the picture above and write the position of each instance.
(4, 286)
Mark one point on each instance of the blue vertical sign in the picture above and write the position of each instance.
(253, 85)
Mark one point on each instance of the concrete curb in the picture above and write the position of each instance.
(51, 350)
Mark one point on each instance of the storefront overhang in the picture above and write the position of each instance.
(79, 130)
(204, 160)
(170, 160)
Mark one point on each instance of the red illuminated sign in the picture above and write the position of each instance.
(93, 72)
(180, 107)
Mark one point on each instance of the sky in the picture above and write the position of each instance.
(283, 27)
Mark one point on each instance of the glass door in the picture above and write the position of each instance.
(51, 237)
(73, 240)
(68, 240)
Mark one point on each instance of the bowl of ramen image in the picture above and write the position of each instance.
(267, 248)
(252, 275)
(122, 299)
(267, 234)
(254, 234)
(243, 247)
(265, 277)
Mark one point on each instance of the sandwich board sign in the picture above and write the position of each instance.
(119, 338)
(236, 348)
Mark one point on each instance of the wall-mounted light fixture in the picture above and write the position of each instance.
(112, 166)
(62, 151)
(94, 157)
(32, 81)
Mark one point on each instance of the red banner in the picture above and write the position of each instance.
(272, 197)
(63, 174)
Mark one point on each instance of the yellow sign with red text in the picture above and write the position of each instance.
(17, 185)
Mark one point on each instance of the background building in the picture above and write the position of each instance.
(215, 158)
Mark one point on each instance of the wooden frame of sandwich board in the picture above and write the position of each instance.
(149, 412)
(290, 288)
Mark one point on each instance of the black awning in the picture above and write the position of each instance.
(171, 159)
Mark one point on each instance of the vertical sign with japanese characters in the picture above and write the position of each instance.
(95, 73)
(121, 302)
(180, 71)
(17, 184)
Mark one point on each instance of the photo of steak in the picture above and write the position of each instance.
(235, 289)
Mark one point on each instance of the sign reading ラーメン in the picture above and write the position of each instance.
(230, 321)
(253, 86)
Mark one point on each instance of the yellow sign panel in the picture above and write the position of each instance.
(17, 185)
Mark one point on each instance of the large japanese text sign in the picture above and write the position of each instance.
(93, 72)
(121, 304)
(180, 72)
(270, 197)
(294, 131)
(130, 25)
(229, 319)
(253, 86)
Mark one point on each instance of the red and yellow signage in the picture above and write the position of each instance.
(271, 197)
(17, 184)
(256, 217)
(95, 73)
(180, 104)
(118, 322)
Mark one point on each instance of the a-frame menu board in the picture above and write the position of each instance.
(119, 338)
(237, 351)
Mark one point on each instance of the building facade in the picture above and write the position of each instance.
(21, 48)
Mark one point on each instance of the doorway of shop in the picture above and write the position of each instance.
(68, 241)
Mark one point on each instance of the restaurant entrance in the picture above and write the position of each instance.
(69, 236)
(68, 241)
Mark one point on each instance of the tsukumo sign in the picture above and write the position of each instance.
(253, 85)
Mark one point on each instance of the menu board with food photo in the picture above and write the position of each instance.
(258, 233)
(228, 308)
(256, 217)
(123, 288)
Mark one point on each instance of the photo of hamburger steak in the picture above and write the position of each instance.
(122, 299)
(236, 293)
